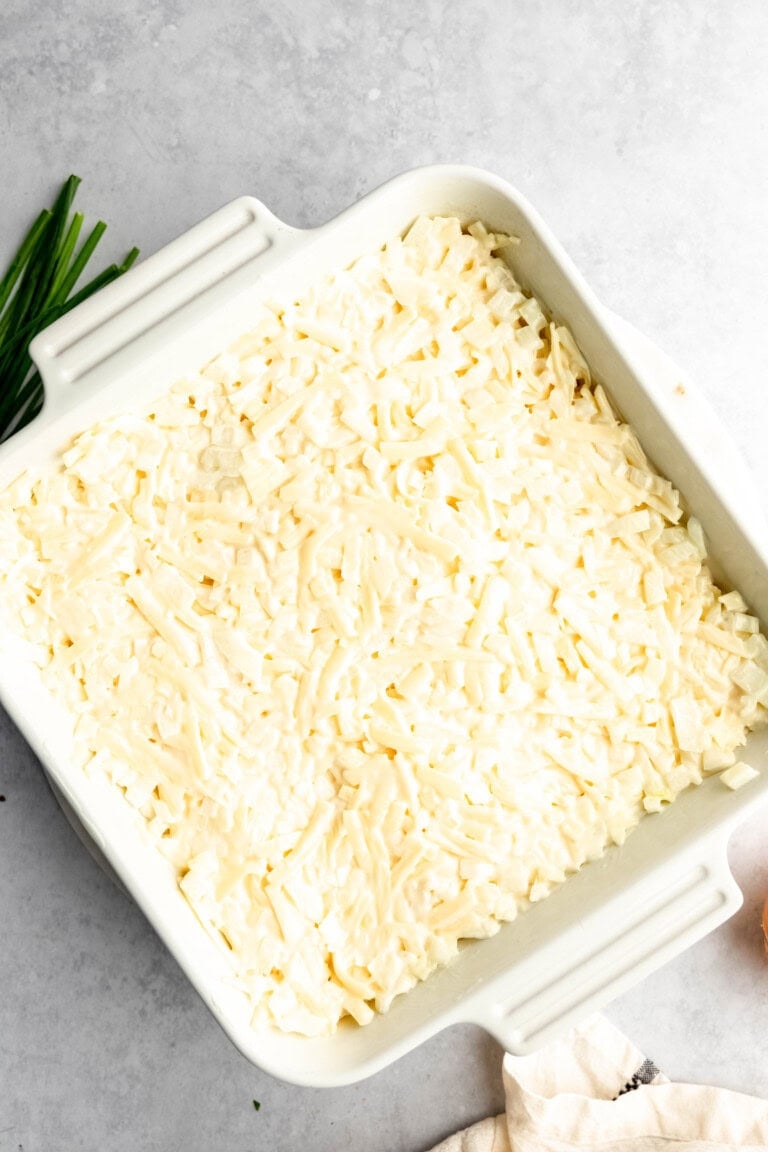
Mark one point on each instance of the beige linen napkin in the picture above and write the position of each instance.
(594, 1090)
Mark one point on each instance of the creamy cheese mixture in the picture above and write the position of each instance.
(383, 622)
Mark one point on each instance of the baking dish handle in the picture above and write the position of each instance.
(605, 953)
(196, 274)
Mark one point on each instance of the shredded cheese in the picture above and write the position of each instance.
(738, 775)
(383, 623)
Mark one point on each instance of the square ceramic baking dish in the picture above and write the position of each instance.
(608, 926)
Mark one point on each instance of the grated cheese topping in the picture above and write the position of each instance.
(738, 775)
(383, 623)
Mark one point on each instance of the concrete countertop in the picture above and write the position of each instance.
(639, 131)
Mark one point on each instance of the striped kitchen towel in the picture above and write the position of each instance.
(594, 1090)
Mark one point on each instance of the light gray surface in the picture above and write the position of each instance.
(638, 129)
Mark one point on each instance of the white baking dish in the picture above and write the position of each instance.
(620, 917)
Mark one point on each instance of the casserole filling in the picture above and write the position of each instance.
(383, 623)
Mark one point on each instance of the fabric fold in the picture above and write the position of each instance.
(594, 1089)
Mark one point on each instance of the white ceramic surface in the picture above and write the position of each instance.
(619, 918)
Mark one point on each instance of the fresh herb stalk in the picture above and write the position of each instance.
(38, 288)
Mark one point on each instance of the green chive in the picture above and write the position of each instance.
(37, 289)
(65, 256)
(20, 259)
(82, 259)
